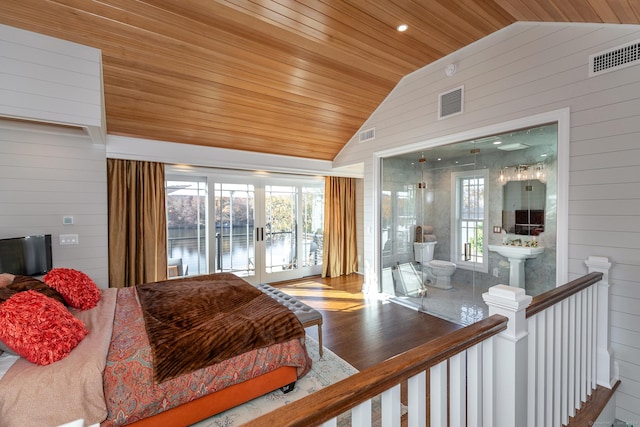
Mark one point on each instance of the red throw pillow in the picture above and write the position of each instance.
(39, 328)
(77, 289)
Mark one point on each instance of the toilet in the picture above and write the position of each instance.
(439, 270)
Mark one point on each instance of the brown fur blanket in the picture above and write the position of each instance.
(202, 320)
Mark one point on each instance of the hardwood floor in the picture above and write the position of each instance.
(361, 329)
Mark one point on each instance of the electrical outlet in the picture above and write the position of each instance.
(496, 272)
(68, 239)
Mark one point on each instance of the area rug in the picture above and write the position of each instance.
(325, 371)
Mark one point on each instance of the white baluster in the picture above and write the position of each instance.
(391, 414)
(417, 391)
(557, 365)
(457, 389)
(361, 415)
(489, 400)
(564, 369)
(438, 394)
(532, 373)
(571, 395)
(474, 386)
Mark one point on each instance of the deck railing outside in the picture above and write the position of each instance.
(532, 362)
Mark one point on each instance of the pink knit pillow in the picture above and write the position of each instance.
(39, 328)
(6, 279)
(78, 290)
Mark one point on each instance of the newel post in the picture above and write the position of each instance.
(510, 364)
(604, 362)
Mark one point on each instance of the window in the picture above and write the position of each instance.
(469, 200)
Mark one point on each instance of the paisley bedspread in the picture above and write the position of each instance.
(130, 390)
(197, 321)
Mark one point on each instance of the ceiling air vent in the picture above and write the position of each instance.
(615, 58)
(367, 135)
(450, 103)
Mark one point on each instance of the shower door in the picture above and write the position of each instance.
(436, 195)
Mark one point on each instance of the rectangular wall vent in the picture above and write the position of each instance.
(450, 103)
(615, 58)
(367, 135)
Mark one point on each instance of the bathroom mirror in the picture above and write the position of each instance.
(523, 207)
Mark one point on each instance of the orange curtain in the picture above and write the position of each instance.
(137, 222)
(340, 252)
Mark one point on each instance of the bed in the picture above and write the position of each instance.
(124, 371)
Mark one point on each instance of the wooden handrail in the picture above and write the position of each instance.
(338, 398)
(554, 296)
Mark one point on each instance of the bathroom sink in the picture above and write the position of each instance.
(518, 252)
(517, 256)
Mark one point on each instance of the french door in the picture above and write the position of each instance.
(268, 230)
(264, 229)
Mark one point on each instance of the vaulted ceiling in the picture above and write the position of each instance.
(285, 77)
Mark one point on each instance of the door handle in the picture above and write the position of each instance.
(467, 251)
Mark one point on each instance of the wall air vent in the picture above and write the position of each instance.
(367, 135)
(450, 103)
(615, 58)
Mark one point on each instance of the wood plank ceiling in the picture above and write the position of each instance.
(284, 77)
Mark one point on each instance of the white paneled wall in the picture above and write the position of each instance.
(47, 79)
(524, 70)
(48, 172)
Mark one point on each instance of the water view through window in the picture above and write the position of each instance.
(289, 235)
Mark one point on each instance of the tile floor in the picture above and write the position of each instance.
(462, 304)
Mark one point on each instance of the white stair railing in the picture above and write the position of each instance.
(559, 342)
(532, 362)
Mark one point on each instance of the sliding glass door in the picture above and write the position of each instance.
(262, 228)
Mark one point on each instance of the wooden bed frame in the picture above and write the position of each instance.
(214, 403)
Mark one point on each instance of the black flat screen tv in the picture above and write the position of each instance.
(26, 256)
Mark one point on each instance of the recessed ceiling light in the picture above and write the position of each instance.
(402, 27)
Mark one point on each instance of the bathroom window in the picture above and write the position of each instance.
(469, 200)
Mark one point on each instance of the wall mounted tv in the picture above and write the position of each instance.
(26, 256)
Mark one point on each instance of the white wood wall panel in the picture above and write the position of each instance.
(524, 70)
(606, 176)
(612, 143)
(47, 172)
(46, 79)
(603, 223)
(621, 255)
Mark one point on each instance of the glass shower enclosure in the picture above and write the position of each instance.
(441, 209)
